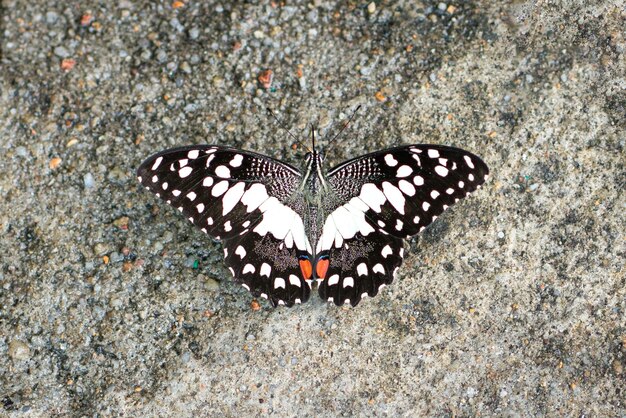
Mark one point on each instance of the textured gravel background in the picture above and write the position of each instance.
(512, 303)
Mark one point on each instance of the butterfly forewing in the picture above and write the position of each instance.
(245, 199)
(389, 195)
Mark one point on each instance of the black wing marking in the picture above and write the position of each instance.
(240, 197)
(390, 194)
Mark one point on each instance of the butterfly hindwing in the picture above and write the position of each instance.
(389, 195)
(360, 268)
(267, 268)
(239, 197)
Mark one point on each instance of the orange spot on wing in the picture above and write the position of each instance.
(306, 268)
(321, 268)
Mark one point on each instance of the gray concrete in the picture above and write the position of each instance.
(512, 303)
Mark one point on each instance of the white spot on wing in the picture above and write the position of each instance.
(434, 194)
(399, 225)
(294, 280)
(219, 188)
(176, 193)
(227, 226)
(333, 280)
(348, 282)
(433, 153)
(254, 197)
(200, 207)
(155, 178)
(386, 251)
(241, 252)
(391, 162)
(193, 154)
(232, 197)
(191, 196)
(425, 206)
(157, 163)
(207, 182)
(361, 269)
(441, 170)
(266, 269)
(404, 171)
(358, 204)
(407, 188)
(236, 161)
(372, 196)
(248, 268)
(222, 171)
(395, 196)
(279, 282)
(469, 161)
(378, 268)
(418, 180)
(184, 172)
(164, 186)
(461, 185)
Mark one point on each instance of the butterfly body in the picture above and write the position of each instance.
(284, 230)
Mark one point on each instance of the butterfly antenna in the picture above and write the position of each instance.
(282, 125)
(345, 125)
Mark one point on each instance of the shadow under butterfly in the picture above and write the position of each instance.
(283, 230)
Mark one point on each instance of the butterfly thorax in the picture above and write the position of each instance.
(314, 190)
(313, 180)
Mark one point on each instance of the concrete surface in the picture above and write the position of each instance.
(510, 304)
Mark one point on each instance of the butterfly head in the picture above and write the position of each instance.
(314, 161)
(314, 157)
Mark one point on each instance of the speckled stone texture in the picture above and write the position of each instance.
(512, 303)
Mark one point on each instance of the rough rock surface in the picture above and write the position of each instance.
(512, 303)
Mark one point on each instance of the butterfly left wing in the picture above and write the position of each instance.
(245, 199)
(391, 195)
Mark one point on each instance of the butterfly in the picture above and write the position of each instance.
(285, 230)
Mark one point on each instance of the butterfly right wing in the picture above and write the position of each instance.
(389, 195)
(243, 199)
